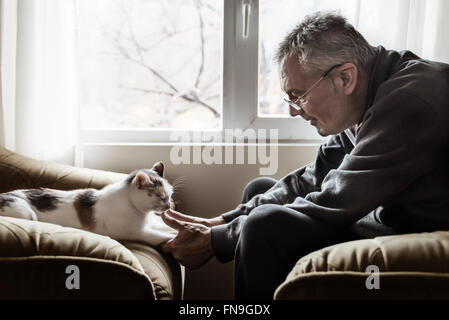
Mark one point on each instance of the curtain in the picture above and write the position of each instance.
(417, 25)
(8, 32)
(2, 131)
(40, 116)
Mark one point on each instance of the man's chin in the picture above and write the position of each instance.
(326, 131)
(322, 131)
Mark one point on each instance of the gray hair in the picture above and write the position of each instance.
(325, 39)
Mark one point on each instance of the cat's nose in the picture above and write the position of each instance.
(165, 205)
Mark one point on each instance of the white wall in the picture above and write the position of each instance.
(208, 191)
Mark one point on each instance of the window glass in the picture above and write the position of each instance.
(150, 63)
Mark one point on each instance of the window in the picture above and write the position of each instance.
(151, 67)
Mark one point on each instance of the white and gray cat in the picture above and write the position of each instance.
(125, 210)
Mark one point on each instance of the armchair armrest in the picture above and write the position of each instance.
(34, 258)
(410, 265)
(19, 172)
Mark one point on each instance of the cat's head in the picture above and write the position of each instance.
(149, 190)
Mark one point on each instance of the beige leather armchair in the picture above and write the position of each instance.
(410, 266)
(35, 256)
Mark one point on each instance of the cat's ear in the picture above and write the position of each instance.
(142, 180)
(159, 168)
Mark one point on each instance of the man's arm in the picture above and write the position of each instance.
(400, 141)
(296, 184)
(302, 181)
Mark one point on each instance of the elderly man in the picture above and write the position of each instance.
(383, 171)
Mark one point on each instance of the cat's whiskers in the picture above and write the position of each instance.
(179, 179)
(178, 183)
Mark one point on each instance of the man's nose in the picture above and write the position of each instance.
(294, 112)
(301, 113)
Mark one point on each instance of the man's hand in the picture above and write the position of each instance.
(192, 246)
(206, 222)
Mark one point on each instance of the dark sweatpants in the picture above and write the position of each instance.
(272, 240)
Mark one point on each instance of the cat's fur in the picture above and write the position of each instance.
(126, 210)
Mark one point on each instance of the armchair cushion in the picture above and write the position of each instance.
(405, 262)
(19, 172)
(31, 249)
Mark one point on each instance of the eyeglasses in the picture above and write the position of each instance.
(294, 103)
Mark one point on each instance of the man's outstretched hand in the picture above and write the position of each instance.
(192, 246)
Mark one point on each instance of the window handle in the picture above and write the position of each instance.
(246, 13)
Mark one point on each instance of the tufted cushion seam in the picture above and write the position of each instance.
(90, 181)
(311, 257)
(75, 230)
(439, 241)
(19, 171)
(160, 289)
(440, 244)
(60, 178)
(377, 251)
(15, 236)
(30, 233)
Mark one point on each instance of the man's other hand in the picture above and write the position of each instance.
(186, 218)
(192, 246)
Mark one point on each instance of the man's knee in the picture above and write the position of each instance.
(257, 186)
(263, 222)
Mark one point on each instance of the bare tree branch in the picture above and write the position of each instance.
(200, 18)
(191, 96)
(141, 60)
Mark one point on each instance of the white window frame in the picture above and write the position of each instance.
(240, 61)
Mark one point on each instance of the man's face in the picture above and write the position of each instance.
(326, 106)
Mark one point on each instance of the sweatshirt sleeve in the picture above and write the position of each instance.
(296, 184)
(301, 181)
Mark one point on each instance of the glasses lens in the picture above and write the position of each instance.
(291, 103)
(295, 106)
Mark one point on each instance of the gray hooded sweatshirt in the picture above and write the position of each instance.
(388, 175)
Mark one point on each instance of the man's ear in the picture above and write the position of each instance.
(142, 180)
(159, 168)
(348, 74)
